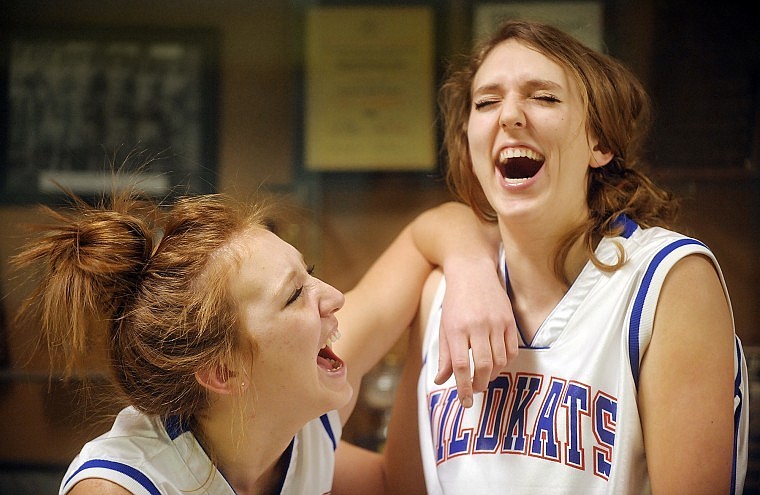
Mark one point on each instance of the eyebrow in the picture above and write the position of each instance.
(530, 84)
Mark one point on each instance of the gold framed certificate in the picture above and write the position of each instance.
(369, 89)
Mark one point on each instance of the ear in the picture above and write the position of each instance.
(599, 157)
(217, 378)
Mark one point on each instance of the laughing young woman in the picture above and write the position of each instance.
(629, 377)
(219, 341)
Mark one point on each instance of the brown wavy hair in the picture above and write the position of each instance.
(618, 113)
(152, 282)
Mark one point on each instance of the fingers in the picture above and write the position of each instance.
(501, 357)
(444, 359)
(483, 362)
(461, 365)
(504, 348)
(490, 357)
(454, 357)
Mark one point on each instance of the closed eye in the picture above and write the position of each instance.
(484, 103)
(548, 98)
(297, 293)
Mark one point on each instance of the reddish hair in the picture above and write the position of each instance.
(150, 281)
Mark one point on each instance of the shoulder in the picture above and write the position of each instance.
(694, 282)
(133, 434)
(655, 239)
(136, 450)
(97, 486)
(682, 261)
(655, 251)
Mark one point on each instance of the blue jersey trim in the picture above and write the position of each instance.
(326, 423)
(629, 226)
(737, 412)
(174, 427)
(288, 454)
(638, 305)
(121, 468)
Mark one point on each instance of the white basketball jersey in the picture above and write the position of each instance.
(564, 419)
(148, 456)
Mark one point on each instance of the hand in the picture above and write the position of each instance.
(477, 315)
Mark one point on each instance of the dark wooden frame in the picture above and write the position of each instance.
(81, 102)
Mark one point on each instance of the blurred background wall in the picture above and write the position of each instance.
(700, 62)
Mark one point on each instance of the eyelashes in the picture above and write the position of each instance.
(297, 293)
(547, 98)
(294, 296)
(480, 104)
(483, 103)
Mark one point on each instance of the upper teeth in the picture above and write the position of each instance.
(332, 338)
(518, 152)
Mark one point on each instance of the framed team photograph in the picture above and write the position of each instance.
(79, 103)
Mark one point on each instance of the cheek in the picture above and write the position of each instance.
(479, 150)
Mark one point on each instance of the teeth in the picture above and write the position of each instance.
(331, 339)
(518, 153)
(515, 181)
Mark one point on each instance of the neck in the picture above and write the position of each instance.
(534, 286)
(248, 450)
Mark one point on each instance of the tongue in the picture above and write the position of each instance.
(324, 363)
(328, 360)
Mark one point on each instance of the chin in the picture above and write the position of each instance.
(342, 397)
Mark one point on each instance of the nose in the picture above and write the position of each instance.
(331, 299)
(511, 115)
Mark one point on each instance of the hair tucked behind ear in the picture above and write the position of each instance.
(152, 281)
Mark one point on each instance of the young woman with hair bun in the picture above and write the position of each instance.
(219, 341)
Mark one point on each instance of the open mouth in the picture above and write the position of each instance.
(326, 358)
(519, 163)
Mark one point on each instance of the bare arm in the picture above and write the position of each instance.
(384, 302)
(477, 313)
(379, 309)
(686, 386)
(402, 457)
(399, 468)
(357, 467)
(98, 486)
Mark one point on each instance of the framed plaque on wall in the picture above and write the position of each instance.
(80, 103)
(370, 89)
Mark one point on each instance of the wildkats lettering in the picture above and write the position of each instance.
(518, 416)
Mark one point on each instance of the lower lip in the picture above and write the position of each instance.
(517, 183)
(335, 373)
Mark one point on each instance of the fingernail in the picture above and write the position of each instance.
(466, 402)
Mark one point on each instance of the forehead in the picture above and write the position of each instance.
(263, 263)
(261, 249)
(514, 61)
